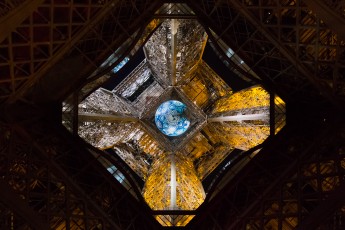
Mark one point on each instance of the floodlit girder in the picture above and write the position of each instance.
(174, 49)
(104, 102)
(173, 45)
(239, 118)
(244, 136)
(177, 16)
(173, 184)
(244, 102)
(207, 150)
(332, 19)
(16, 16)
(175, 11)
(203, 86)
(117, 60)
(104, 134)
(82, 117)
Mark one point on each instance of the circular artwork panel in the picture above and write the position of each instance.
(170, 118)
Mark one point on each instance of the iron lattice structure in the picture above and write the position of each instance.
(50, 179)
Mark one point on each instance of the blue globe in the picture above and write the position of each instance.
(170, 118)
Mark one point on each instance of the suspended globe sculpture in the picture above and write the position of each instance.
(170, 118)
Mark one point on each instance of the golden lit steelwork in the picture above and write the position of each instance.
(204, 86)
(245, 99)
(172, 169)
(244, 117)
(175, 220)
(244, 136)
(173, 184)
(207, 150)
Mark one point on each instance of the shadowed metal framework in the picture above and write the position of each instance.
(50, 178)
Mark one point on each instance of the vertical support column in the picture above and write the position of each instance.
(240, 118)
(173, 183)
(174, 28)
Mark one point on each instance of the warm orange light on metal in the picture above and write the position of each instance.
(244, 99)
(189, 191)
(173, 185)
(244, 117)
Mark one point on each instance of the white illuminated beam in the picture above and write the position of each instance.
(105, 117)
(173, 183)
(174, 28)
(240, 117)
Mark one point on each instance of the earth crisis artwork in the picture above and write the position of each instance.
(170, 118)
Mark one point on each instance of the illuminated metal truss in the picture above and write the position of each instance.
(296, 181)
(244, 136)
(207, 150)
(244, 117)
(173, 184)
(161, 77)
(127, 139)
(203, 86)
(104, 102)
(158, 54)
(140, 88)
(172, 57)
(104, 134)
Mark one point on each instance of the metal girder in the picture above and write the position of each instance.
(325, 209)
(233, 65)
(276, 172)
(271, 187)
(230, 28)
(105, 117)
(239, 118)
(331, 18)
(67, 178)
(126, 33)
(173, 41)
(14, 202)
(15, 17)
(124, 209)
(79, 179)
(264, 57)
(63, 50)
(284, 51)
